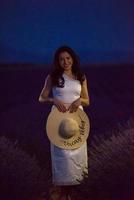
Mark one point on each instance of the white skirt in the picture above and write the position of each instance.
(69, 166)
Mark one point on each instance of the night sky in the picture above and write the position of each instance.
(98, 30)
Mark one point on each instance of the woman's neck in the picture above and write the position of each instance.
(69, 72)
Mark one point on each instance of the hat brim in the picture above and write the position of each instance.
(52, 128)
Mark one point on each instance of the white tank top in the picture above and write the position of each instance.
(70, 92)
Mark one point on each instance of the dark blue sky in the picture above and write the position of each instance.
(99, 30)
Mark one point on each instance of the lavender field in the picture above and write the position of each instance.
(111, 90)
(22, 118)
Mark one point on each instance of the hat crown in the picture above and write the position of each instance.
(68, 128)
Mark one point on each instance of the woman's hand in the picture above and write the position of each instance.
(75, 105)
(60, 105)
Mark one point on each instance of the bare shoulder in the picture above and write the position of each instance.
(48, 80)
(48, 77)
(84, 81)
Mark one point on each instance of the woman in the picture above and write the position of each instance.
(69, 88)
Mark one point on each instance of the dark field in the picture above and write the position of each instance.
(111, 90)
(22, 120)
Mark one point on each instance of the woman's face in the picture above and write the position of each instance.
(65, 61)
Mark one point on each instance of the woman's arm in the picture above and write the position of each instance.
(44, 95)
(84, 97)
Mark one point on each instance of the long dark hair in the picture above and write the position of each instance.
(56, 74)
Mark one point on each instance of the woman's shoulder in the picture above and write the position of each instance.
(83, 76)
(48, 79)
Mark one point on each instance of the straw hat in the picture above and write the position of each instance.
(67, 130)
